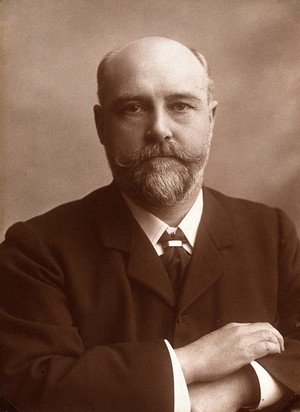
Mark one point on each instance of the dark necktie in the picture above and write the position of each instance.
(175, 258)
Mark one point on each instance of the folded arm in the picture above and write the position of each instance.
(45, 365)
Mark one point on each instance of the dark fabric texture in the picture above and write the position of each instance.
(85, 302)
(6, 405)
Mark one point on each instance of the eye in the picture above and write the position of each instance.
(132, 108)
(181, 107)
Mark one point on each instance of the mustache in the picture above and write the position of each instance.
(162, 149)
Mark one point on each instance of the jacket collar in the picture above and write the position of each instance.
(119, 230)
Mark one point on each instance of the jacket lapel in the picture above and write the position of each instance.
(146, 268)
(206, 265)
(119, 230)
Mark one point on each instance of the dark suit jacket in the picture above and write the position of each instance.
(86, 303)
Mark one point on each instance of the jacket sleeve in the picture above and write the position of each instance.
(286, 366)
(44, 365)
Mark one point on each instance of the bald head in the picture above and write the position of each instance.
(152, 54)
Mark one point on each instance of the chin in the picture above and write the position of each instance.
(165, 186)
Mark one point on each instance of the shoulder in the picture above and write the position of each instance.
(68, 219)
(247, 213)
(99, 198)
(237, 203)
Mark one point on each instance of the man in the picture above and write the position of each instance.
(101, 310)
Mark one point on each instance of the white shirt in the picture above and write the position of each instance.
(270, 392)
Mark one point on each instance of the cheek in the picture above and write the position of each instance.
(120, 138)
(195, 136)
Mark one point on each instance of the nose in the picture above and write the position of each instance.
(159, 126)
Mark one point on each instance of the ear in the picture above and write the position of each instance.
(98, 114)
(213, 109)
(212, 114)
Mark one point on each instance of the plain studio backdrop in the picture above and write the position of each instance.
(50, 152)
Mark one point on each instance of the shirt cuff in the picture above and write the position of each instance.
(181, 395)
(270, 391)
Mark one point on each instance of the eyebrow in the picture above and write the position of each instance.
(126, 97)
(189, 96)
(184, 95)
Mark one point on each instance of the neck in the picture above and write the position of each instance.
(173, 215)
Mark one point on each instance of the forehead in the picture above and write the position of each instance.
(157, 68)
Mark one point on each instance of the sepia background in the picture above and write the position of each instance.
(49, 150)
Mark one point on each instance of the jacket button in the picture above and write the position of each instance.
(182, 318)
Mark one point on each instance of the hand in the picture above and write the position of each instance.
(228, 394)
(228, 349)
